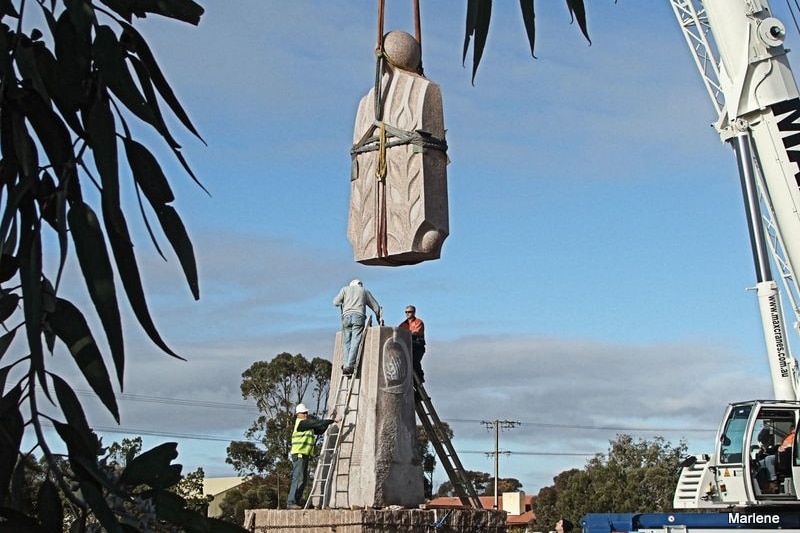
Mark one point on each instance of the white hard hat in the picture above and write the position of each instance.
(355, 283)
(301, 408)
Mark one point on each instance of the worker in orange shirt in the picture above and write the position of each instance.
(417, 328)
(769, 462)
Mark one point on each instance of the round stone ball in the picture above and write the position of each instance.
(402, 50)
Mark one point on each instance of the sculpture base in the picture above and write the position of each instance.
(375, 520)
(378, 463)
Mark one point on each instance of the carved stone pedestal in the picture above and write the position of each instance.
(378, 465)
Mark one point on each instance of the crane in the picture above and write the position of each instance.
(738, 46)
(753, 473)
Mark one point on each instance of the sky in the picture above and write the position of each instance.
(595, 280)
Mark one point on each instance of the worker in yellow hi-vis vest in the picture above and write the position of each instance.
(304, 439)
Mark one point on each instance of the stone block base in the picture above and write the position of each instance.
(375, 521)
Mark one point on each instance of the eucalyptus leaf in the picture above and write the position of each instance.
(73, 51)
(6, 67)
(157, 77)
(51, 133)
(154, 468)
(529, 18)
(110, 60)
(578, 11)
(148, 174)
(8, 304)
(102, 137)
(26, 63)
(30, 275)
(70, 406)
(4, 371)
(184, 10)
(11, 437)
(51, 71)
(70, 326)
(94, 497)
(176, 233)
(7, 8)
(5, 342)
(51, 511)
(172, 508)
(90, 247)
(78, 444)
(117, 231)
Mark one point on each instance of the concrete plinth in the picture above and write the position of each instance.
(378, 464)
(375, 521)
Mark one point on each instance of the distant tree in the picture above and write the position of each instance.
(427, 455)
(635, 475)
(255, 493)
(120, 453)
(276, 387)
(481, 482)
(507, 484)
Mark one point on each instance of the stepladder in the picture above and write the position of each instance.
(333, 465)
(441, 442)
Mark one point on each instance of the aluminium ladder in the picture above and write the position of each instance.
(338, 438)
(444, 448)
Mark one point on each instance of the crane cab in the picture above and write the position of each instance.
(755, 463)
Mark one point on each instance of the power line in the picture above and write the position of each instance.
(239, 407)
(217, 438)
(513, 452)
(175, 401)
(154, 433)
(228, 405)
(593, 428)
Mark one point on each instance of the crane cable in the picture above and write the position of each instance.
(791, 12)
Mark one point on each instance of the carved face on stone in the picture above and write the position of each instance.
(403, 50)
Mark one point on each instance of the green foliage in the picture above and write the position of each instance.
(427, 454)
(275, 386)
(255, 493)
(483, 484)
(128, 502)
(68, 91)
(634, 476)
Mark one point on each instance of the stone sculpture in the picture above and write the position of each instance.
(398, 188)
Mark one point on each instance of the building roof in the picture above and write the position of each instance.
(445, 502)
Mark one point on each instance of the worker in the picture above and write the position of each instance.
(564, 526)
(353, 300)
(417, 328)
(769, 462)
(304, 440)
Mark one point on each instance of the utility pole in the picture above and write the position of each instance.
(497, 425)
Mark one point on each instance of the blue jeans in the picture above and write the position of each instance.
(299, 479)
(352, 331)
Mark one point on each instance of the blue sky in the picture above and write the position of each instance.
(594, 281)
